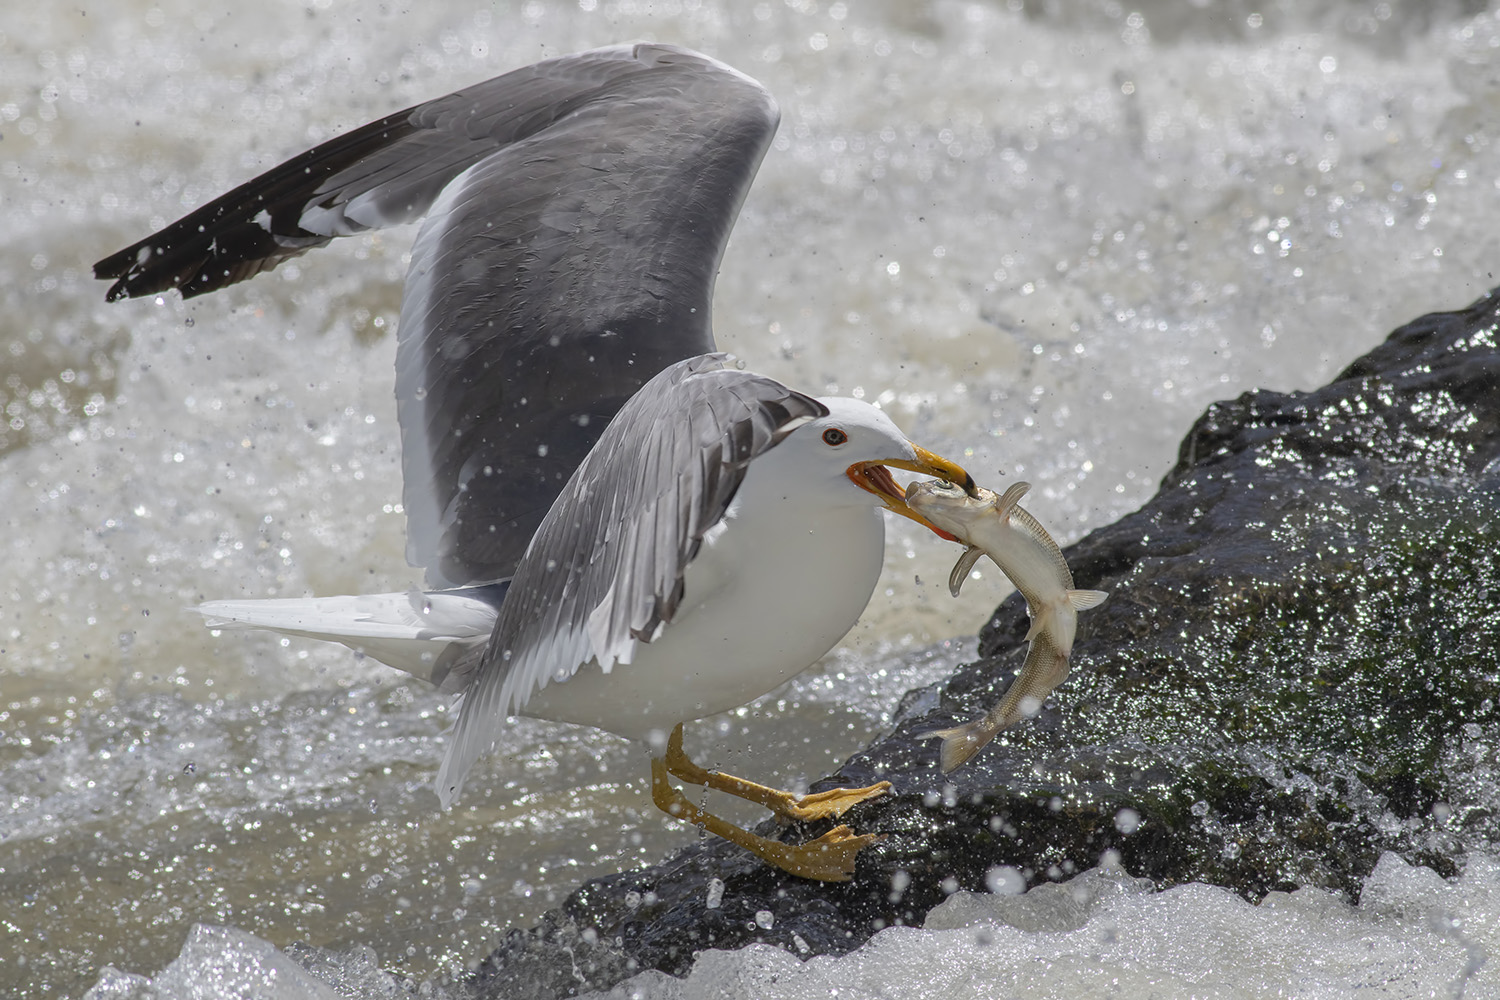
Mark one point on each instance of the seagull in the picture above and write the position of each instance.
(619, 527)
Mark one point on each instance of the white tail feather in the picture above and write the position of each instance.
(423, 634)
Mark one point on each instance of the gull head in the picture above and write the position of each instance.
(855, 443)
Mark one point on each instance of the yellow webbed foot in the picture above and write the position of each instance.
(828, 805)
(830, 858)
(821, 805)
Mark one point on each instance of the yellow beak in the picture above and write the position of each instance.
(876, 478)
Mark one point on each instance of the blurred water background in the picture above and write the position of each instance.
(1042, 235)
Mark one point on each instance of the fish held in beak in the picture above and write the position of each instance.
(875, 477)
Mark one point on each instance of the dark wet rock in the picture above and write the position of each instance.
(1294, 673)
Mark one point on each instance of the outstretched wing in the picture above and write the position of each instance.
(577, 211)
(606, 567)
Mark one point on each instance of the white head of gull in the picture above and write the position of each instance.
(621, 528)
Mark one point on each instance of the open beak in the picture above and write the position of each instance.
(876, 478)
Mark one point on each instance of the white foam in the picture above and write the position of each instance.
(1102, 934)
(218, 962)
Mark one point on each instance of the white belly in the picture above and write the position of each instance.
(738, 634)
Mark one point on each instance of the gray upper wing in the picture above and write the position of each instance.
(605, 569)
(558, 276)
(577, 211)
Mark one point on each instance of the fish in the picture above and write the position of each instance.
(997, 525)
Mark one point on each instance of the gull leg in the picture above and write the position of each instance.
(821, 805)
(830, 858)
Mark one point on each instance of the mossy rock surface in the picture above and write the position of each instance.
(1296, 671)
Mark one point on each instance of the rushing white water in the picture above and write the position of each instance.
(1101, 934)
(1104, 934)
(1042, 236)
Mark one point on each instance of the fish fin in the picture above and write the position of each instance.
(961, 742)
(1039, 621)
(962, 567)
(1010, 498)
(1082, 600)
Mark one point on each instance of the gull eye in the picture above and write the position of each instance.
(835, 437)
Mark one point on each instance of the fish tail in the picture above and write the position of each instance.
(962, 742)
(1044, 669)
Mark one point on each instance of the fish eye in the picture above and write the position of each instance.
(835, 437)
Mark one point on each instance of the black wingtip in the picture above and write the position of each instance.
(119, 266)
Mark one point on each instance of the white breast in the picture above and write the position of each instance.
(766, 597)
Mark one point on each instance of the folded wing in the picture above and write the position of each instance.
(605, 570)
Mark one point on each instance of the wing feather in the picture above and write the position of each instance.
(574, 598)
(576, 212)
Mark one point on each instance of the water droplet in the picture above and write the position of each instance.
(1004, 880)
